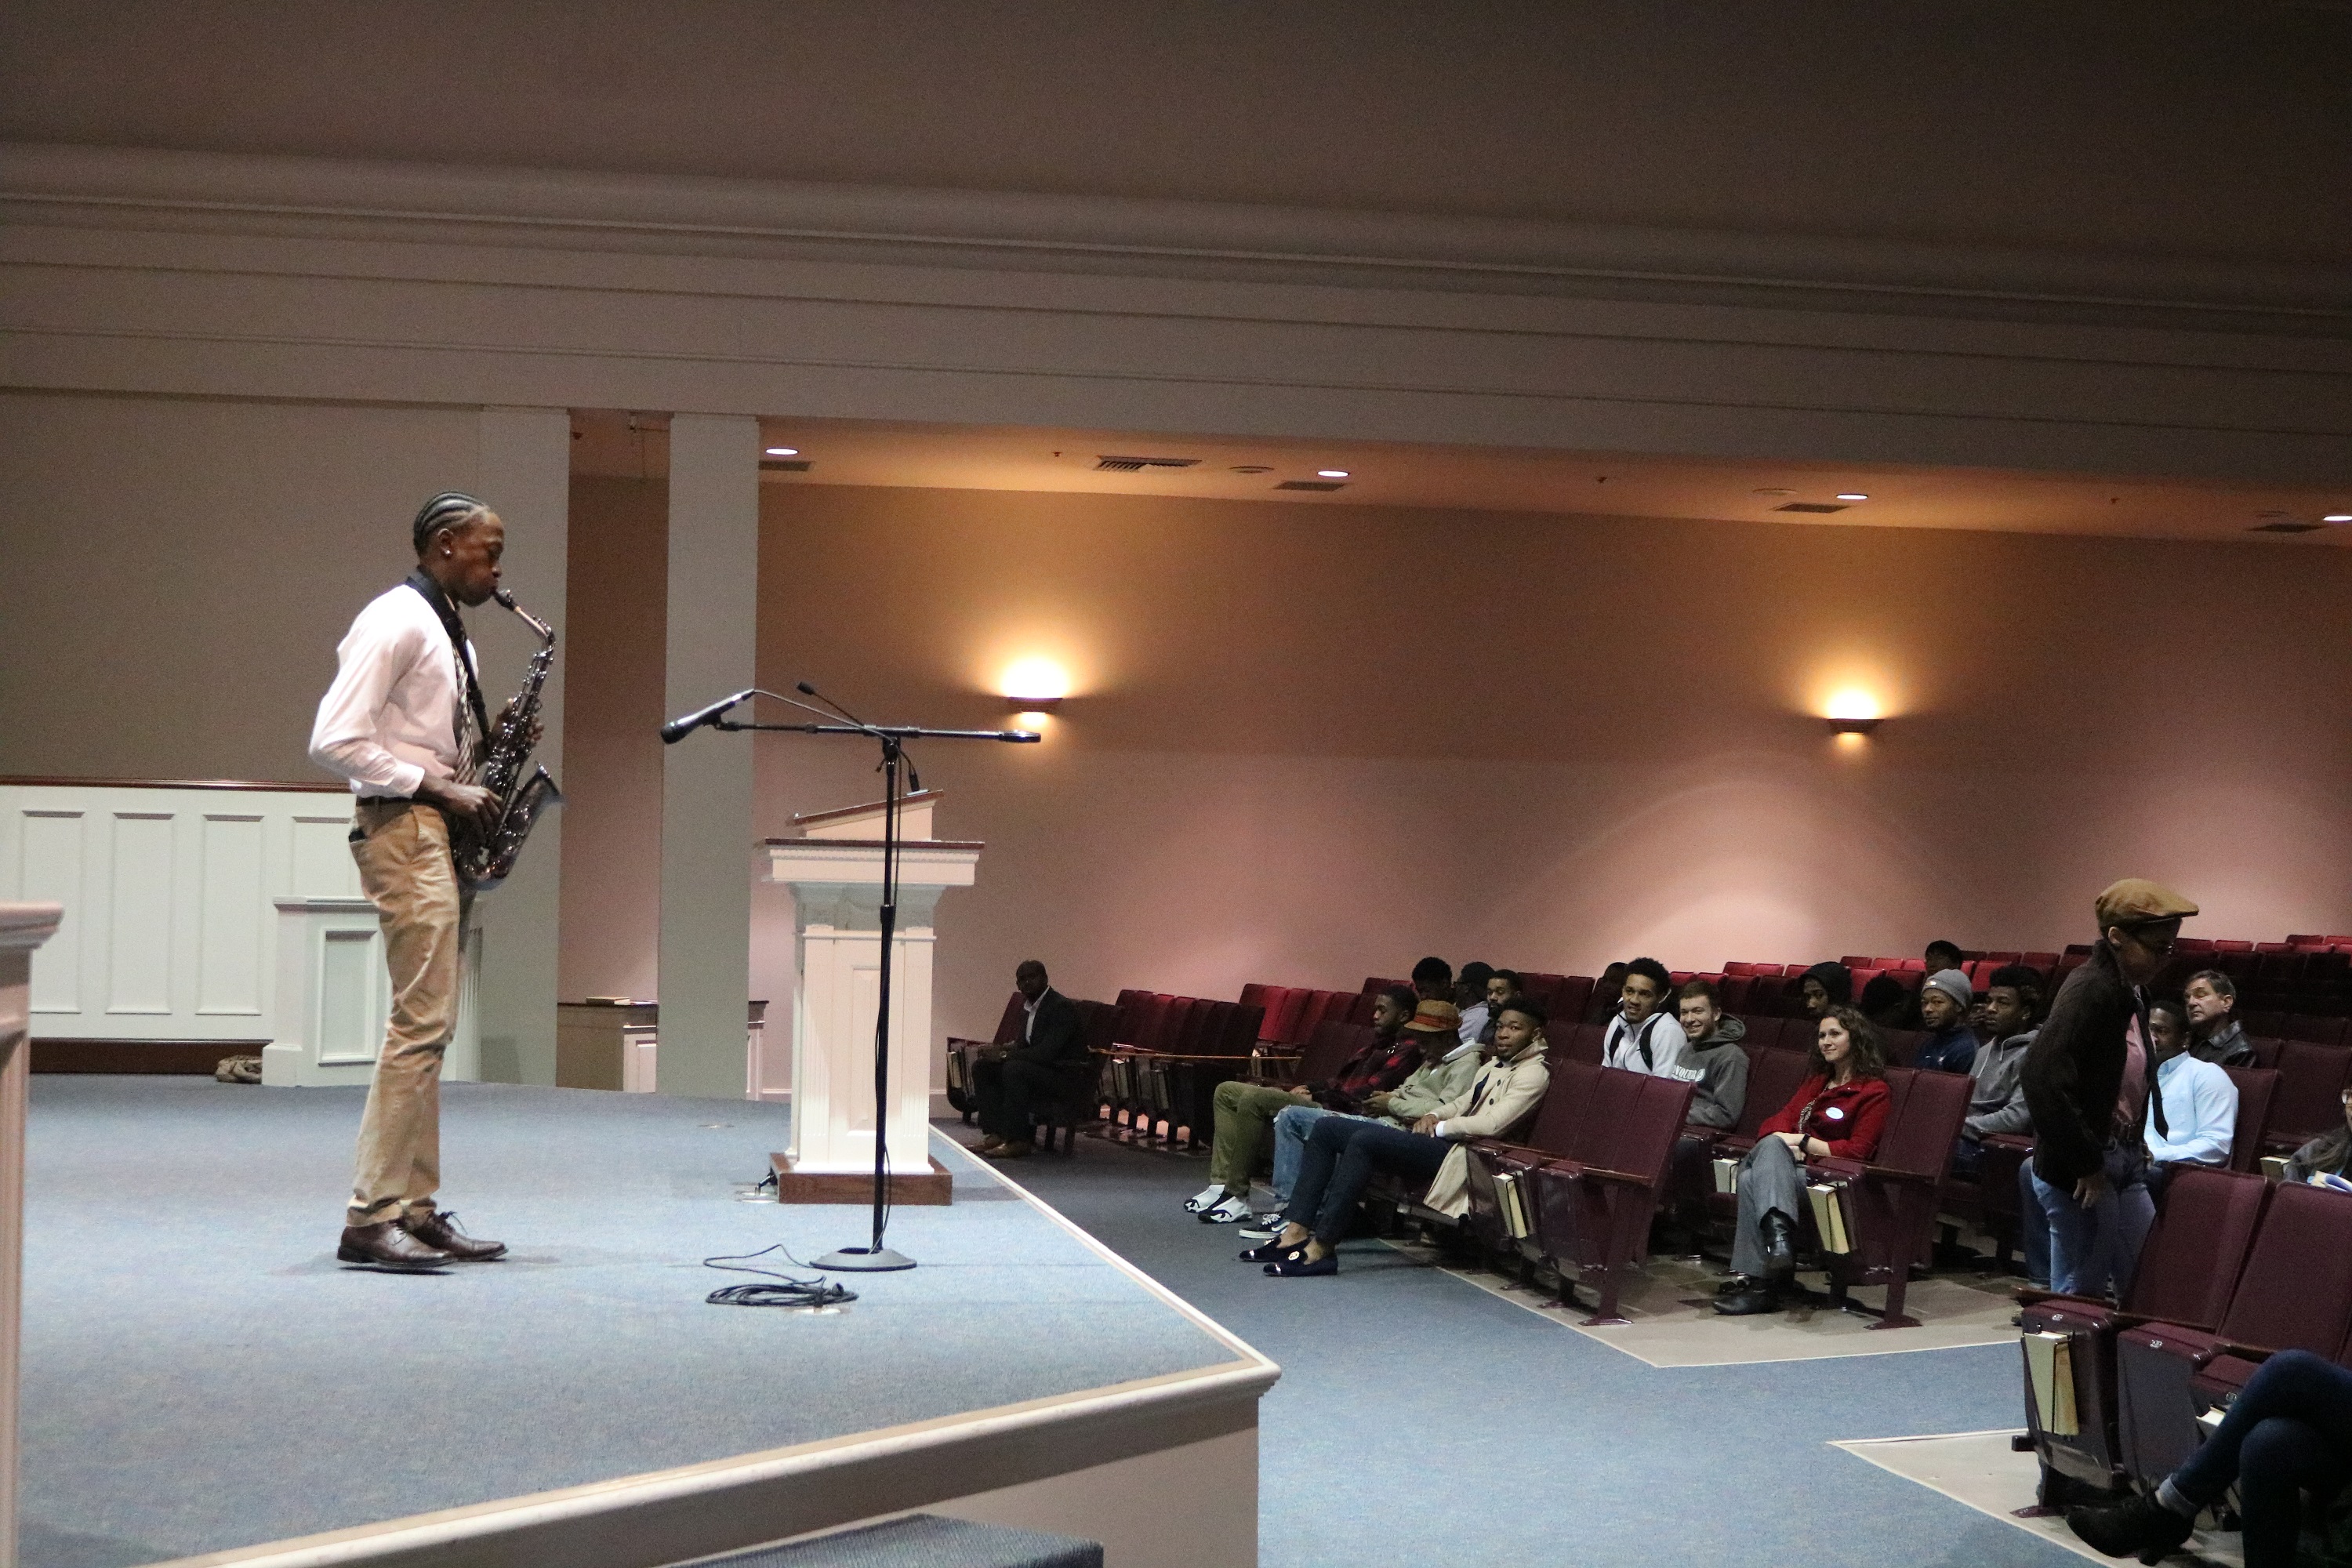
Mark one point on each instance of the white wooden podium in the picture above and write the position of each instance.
(834, 869)
(22, 928)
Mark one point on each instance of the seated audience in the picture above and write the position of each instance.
(1243, 1111)
(1886, 1002)
(1446, 1068)
(1824, 987)
(1643, 1038)
(1342, 1156)
(1838, 1112)
(1997, 1102)
(1951, 1045)
(2214, 1032)
(1718, 1065)
(1941, 954)
(1433, 981)
(2288, 1432)
(1049, 1062)
(2328, 1155)
(2192, 1111)
(1470, 995)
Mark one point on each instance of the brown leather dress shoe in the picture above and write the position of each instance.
(439, 1231)
(1011, 1151)
(991, 1144)
(385, 1246)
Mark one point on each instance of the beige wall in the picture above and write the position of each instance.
(2209, 128)
(178, 572)
(1310, 744)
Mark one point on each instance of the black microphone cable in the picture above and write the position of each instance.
(781, 1289)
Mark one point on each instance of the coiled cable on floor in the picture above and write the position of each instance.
(783, 1289)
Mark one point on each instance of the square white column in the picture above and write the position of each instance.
(705, 879)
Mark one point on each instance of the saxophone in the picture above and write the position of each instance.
(485, 856)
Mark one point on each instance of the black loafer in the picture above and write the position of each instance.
(1299, 1268)
(1273, 1252)
(1754, 1301)
(2142, 1528)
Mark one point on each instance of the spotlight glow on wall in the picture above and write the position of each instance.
(1034, 685)
(1852, 713)
(2337, 517)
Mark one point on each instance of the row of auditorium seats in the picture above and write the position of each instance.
(2235, 1269)
(1290, 1014)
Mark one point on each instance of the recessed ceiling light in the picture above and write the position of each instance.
(1331, 473)
(1851, 495)
(784, 451)
(2337, 517)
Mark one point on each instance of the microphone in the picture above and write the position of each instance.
(677, 730)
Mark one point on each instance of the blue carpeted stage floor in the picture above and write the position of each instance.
(1419, 1420)
(200, 1373)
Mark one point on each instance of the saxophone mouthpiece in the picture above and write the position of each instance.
(505, 599)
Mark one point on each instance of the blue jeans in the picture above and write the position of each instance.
(1292, 1123)
(2289, 1430)
(1341, 1156)
(2092, 1250)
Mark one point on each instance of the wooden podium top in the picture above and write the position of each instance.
(865, 822)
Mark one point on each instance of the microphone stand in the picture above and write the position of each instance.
(874, 1257)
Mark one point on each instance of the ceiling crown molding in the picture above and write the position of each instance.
(569, 209)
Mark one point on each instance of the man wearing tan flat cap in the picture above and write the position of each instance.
(2073, 1074)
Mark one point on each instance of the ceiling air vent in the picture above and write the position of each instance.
(1137, 465)
(1310, 484)
(784, 465)
(2286, 528)
(1812, 506)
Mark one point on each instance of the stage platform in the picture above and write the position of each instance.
(202, 1377)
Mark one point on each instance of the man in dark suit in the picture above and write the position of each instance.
(1048, 1062)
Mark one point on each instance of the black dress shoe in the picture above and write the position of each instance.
(1757, 1300)
(2141, 1527)
(1780, 1244)
(386, 1245)
(1734, 1285)
(439, 1231)
(1273, 1251)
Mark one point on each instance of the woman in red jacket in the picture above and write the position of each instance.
(1837, 1113)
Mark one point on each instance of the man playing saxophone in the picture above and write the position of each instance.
(404, 722)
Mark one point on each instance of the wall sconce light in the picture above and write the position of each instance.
(1853, 726)
(1852, 713)
(1047, 705)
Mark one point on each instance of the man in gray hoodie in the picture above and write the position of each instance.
(1997, 1102)
(1717, 1063)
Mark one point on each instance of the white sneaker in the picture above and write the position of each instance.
(1204, 1198)
(1229, 1212)
(1261, 1227)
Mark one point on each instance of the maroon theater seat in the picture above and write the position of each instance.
(2187, 1273)
(2319, 1030)
(2309, 1101)
(2257, 1087)
(2266, 1050)
(1359, 1010)
(1583, 1044)
(1592, 1207)
(1892, 1199)
(1903, 1044)
(2295, 1294)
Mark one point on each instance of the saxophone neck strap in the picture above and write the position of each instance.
(430, 591)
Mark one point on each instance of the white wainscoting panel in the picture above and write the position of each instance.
(170, 931)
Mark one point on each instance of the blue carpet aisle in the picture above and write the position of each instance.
(1419, 1420)
(199, 1373)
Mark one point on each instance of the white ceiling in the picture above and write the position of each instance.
(847, 452)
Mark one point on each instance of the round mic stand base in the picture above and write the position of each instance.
(866, 1260)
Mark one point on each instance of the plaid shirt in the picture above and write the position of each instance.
(1377, 1068)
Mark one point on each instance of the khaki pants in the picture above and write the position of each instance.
(1243, 1111)
(402, 852)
